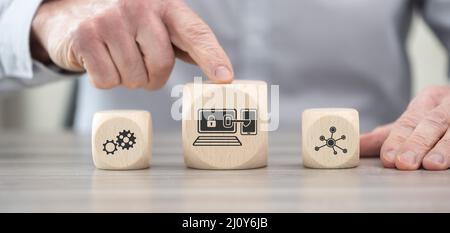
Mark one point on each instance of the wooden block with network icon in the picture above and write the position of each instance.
(330, 138)
(224, 126)
(122, 140)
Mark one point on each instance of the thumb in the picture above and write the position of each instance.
(370, 143)
(189, 33)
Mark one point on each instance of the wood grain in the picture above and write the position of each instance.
(122, 139)
(251, 149)
(331, 138)
(54, 173)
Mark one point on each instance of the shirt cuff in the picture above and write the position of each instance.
(15, 23)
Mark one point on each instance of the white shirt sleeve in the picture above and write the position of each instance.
(15, 23)
(17, 68)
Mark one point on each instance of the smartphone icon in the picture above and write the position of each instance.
(248, 126)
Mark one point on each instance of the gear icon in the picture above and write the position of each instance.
(109, 147)
(126, 139)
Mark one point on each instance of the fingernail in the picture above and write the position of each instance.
(390, 156)
(408, 157)
(222, 73)
(437, 158)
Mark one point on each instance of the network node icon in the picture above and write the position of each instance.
(331, 142)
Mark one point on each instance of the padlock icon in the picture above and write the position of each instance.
(211, 123)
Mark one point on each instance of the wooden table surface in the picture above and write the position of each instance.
(54, 172)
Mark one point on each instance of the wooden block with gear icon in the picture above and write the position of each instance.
(330, 138)
(122, 139)
(224, 126)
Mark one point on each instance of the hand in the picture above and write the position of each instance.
(420, 137)
(129, 43)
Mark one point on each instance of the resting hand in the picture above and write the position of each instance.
(420, 137)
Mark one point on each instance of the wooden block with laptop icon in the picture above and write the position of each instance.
(224, 125)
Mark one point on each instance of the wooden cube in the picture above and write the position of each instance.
(330, 138)
(224, 126)
(122, 140)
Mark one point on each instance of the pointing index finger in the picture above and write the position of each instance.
(189, 33)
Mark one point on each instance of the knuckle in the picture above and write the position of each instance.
(421, 141)
(134, 83)
(430, 92)
(156, 83)
(131, 85)
(136, 8)
(83, 37)
(407, 122)
(110, 23)
(135, 80)
(130, 5)
(164, 66)
(104, 84)
(159, 72)
(87, 28)
(131, 65)
(393, 142)
(416, 100)
(398, 138)
(420, 100)
(135, 76)
(438, 119)
(161, 39)
(431, 96)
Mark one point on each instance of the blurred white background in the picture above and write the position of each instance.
(25, 110)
